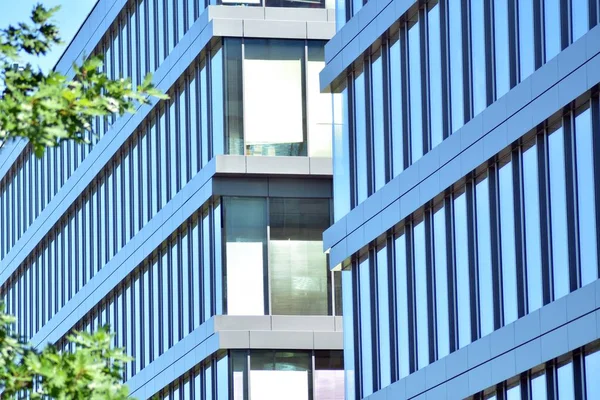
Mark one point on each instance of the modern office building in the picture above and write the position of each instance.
(193, 227)
(466, 197)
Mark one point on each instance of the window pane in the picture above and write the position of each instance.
(461, 243)
(379, 145)
(478, 56)
(341, 158)
(422, 312)
(592, 384)
(273, 98)
(552, 28)
(360, 128)
(297, 265)
(586, 204)
(383, 312)
(441, 283)
(206, 266)
(435, 76)
(484, 258)
(532, 229)
(217, 101)
(501, 43)
(526, 38)
(279, 375)
(234, 139)
(396, 114)
(349, 338)
(366, 332)
(558, 213)
(245, 243)
(455, 51)
(513, 393)
(507, 243)
(566, 391)
(414, 66)
(329, 375)
(538, 387)
(580, 15)
(402, 317)
(319, 104)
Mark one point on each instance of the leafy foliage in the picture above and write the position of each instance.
(93, 371)
(46, 108)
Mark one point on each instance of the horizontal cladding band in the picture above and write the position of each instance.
(572, 73)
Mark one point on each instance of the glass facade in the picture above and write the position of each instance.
(443, 64)
(566, 378)
(473, 260)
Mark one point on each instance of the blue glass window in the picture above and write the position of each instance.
(435, 76)
(455, 39)
(484, 258)
(217, 100)
(379, 143)
(538, 387)
(513, 392)
(422, 305)
(526, 38)
(360, 127)
(175, 289)
(396, 114)
(402, 315)
(592, 366)
(204, 145)
(441, 283)
(206, 266)
(552, 25)
(580, 18)
(558, 213)
(349, 343)
(507, 243)
(532, 229)
(341, 157)
(461, 244)
(566, 390)
(366, 332)
(586, 204)
(218, 259)
(383, 312)
(478, 58)
(414, 67)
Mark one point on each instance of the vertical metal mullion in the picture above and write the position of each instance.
(545, 218)
(387, 132)
(578, 374)
(538, 37)
(429, 259)
(451, 272)
(565, 24)
(411, 300)
(402, 37)
(489, 71)
(444, 69)
(570, 183)
(424, 73)
(466, 61)
(266, 248)
(368, 90)
(352, 139)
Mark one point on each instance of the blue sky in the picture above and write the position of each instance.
(68, 19)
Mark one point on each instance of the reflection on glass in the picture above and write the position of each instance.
(507, 243)
(402, 317)
(435, 76)
(422, 313)
(234, 131)
(526, 38)
(341, 156)
(552, 28)
(461, 243)
(414, 67)
(484, 258)
(532, 229)
(538, 387)
(239, 367)
(366, 333)
(501, 43)
(349, 338)
(361, 138)
(566, 391)
(396, 114)
(592, 383)
(297, 265)
(319, 118)
(441, 283)
(379, 145)
(580, 18)
(558, 213)
(329, 376)
(245, 241)
(274, 98)
(217, 101)
(513, 392)
(586, 205)
(383, 316)
(455, 39)
(478, 56)
(279, 375)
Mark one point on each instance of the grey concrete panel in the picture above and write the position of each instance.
(582, 331)
(503, 367)
(230, 12)
(241, 322)
(299, 187)
(330, 15)
(415, 383)
(278, 165)
(527, 327)
(295, 14)
(281, 340)
(553, 315)
(228, 27)
(339, 324)
(320, 30)
(581, 302)
(275, 29)
(528, 355)
(328, 340)
(320, 166)
(435, 373)
(230, 164)
(240, 186)
(234, 339)
(479, 351)
(555, 343)
(302, 323)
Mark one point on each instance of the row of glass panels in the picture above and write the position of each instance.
(263, 375)
(569, 377)
(240, 256)
(444, 65)
(518, 235)
(170, 146)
